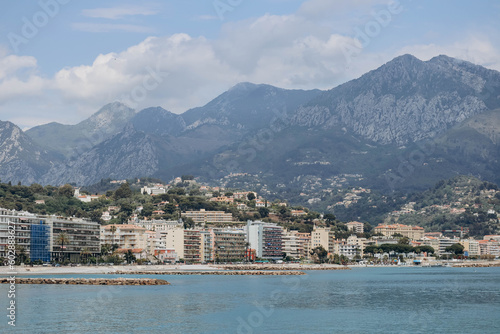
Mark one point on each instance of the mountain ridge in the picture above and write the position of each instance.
(366, 127)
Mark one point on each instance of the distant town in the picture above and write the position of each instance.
(219, 226)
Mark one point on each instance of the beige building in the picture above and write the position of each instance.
(126, 236)
(489, 247)
(187, 243)
(158, 224)
(412, 232)
(471, 246)
(292, 245)
(322, 236)
(359, 243)
(203, 216)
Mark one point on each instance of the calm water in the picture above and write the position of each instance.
(368, 300)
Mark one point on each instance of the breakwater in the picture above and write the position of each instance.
(476, 265)
(85, 281)
(280, 267)
(213, 272)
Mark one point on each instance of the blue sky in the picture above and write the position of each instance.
(61, 60)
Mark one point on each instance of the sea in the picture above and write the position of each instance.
(361, 300)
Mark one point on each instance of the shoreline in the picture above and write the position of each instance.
(207, 269)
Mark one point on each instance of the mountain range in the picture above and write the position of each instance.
(402, 126)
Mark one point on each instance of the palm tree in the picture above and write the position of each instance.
(84, 253)
(113, 230)
(247, 256)
(62, 239)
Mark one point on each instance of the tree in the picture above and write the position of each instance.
(113, 230)
(66, 191)
(456, 249)
(123, 192)
(21, 256)
(330, 218)
(62, 239)
(264, 212)
(105, 249)
(251, 196)
(426, 249)
(129, 256)
(404, 241)
(95, 216)
(319, 254)
(84, 254)
(188, 222)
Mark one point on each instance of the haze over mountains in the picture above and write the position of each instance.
(402, 126)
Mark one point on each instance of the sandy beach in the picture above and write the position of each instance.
(82, 270)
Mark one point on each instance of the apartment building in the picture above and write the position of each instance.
(83, 236)
(229, 245)
(322, 236)
(126, 236)
(187, 243)
(203, 216)
(38, 235)
(471, 246)
(292, 245)
(412, 232)
(158, 224)
(356, 227)
(266, 239)
(30, 233)
(489, 247)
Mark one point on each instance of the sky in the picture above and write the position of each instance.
(62, 60)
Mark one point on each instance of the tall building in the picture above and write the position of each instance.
(83, 236)
(322, 236)
(31, 234)
(292, 245)
(229, 245)
(207, 246)
(266, 239)
(187, 243)
(38, 236)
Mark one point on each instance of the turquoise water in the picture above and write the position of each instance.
(366, 300)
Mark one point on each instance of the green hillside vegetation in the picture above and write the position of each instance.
(127, 198)
(462, 201)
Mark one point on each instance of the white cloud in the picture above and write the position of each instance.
(110, 27)
(12, 64)
(115, 13)
(180, 71)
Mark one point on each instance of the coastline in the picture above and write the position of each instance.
(288, 269)
(206, 269)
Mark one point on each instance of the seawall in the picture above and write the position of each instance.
(85, 281)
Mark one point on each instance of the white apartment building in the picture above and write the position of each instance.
(266, 239)
(292, 245)
(159, 224)
(357, 227)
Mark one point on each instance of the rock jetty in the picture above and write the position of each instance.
(212, 272)
(281, 267)
(477, 265)
(85, 281)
